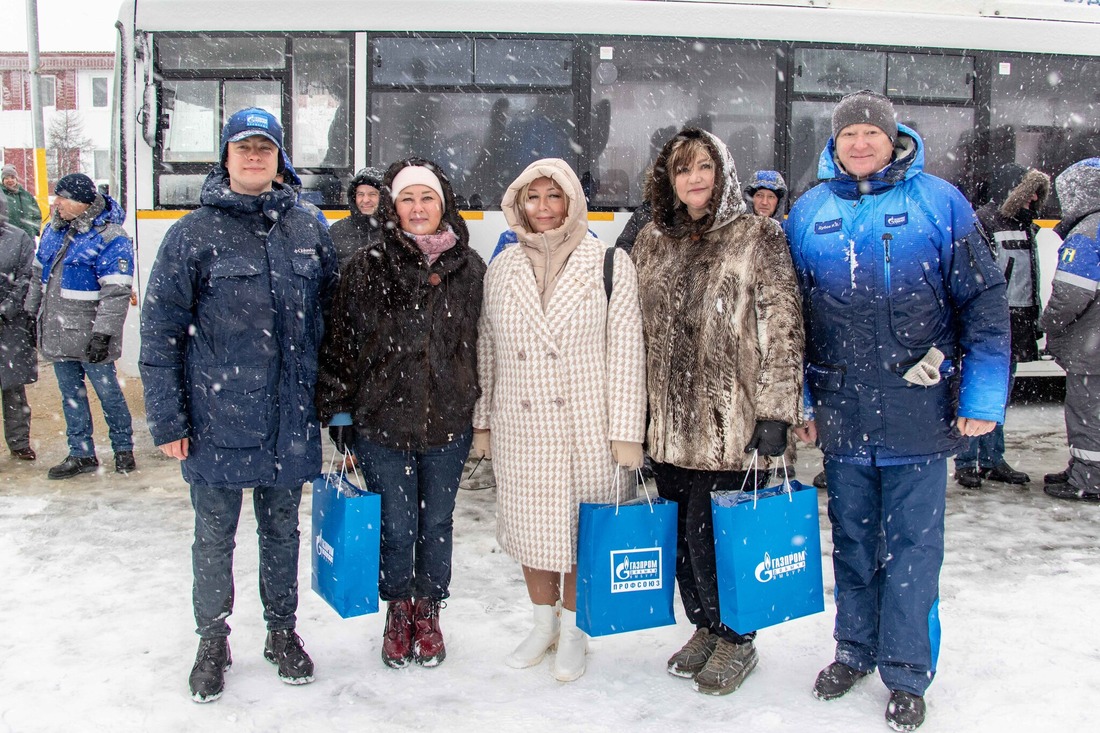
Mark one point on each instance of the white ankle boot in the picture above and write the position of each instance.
(542, 638)
(572, 646)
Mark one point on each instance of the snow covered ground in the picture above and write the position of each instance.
(97, 628)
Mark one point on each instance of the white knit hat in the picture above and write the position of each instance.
(417, 175)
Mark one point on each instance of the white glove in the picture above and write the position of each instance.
(926, 372)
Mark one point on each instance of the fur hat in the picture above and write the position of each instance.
(78, 187)
(865, 107)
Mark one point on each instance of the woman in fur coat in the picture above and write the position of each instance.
(562, 374)
(723, 331)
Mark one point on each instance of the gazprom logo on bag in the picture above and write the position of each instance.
(324, 549)
(634, 570)
(776, 567)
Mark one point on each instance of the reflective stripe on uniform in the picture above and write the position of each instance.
(1085, 455)
(1010, 236)
(116, 280)
(1076, 280)
(79, 294)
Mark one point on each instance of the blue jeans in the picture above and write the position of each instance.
(418, 490)
(986, 451)
(217, 511)
(888, 538)
(78, 415)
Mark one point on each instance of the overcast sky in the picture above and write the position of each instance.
(63, 25)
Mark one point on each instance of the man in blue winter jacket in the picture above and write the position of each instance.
(907, 341)
(231, 326)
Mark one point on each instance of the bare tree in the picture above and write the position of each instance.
(66, 144)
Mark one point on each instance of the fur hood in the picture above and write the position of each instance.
(670, 216)
(1032, 183)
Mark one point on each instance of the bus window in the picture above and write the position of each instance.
(205, 78)
(486, 114)
(320, 101)
(649, 89)
(930, 76)
(1044, 113)
(833, 70)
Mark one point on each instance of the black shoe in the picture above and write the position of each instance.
(971, 477)
(1005, 474)
(24, 454)
(284, 648)
(820, 482)
(124, 461)
(213, 660)
(836, 680)
(72, 466)
(1070, 492)
(905, 711)
(1062, 477)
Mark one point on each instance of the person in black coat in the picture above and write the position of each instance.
(1008, 221)
(18, 359)
(230, 330)
(362, 228)
(398, 384)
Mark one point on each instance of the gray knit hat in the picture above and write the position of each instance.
(8, 170)
(868, 108)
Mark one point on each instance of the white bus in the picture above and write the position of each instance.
(485, 86)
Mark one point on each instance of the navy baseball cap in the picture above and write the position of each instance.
(249, 122)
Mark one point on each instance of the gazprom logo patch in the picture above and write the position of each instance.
(827, 227)
(634, 570)
(777, 567)
(897, 220)
(324, 549)
(256, 121)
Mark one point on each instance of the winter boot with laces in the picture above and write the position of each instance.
(727, 668)
(970, 477)
(542, 638)
(905, 711)
(836, 680)
(397, 640)
(428, 647)
(1005, 474)
(572, 646)
(284, 648)
(693, 656)
(212, 661)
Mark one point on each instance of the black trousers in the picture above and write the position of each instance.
(696, 568)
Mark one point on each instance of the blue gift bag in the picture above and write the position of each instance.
(768, 548)
(626, 566)
(347, 532)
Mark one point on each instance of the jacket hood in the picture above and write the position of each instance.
(670, 216)
(771, 180)
(1078, 190)
(1018, 199)
(391, 223)
(908, 161)
(217, 193)
(576, 217)
(364, 176)
(290, 176)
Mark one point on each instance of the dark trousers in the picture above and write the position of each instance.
(17, 417)
(217, 511)
(696, 566)
(888, 538)
(418, 490)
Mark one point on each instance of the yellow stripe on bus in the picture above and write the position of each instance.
(601, 216)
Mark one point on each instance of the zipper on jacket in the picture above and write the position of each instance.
(886, 239)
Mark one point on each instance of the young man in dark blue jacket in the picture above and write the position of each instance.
(907, 339)
(232, 322)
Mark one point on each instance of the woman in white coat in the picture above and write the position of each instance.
(562, 372)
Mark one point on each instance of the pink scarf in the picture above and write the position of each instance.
(434, 245)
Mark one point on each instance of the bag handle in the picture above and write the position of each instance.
(754, 468)
(344, 467)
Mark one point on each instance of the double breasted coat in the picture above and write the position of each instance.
(558, 384)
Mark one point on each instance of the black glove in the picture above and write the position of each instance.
(769, 437)
(342, 436)
(97, 347)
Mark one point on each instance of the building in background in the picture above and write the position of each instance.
(76, 114)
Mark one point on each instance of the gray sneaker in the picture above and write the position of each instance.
(693, 657)
(727, 668)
